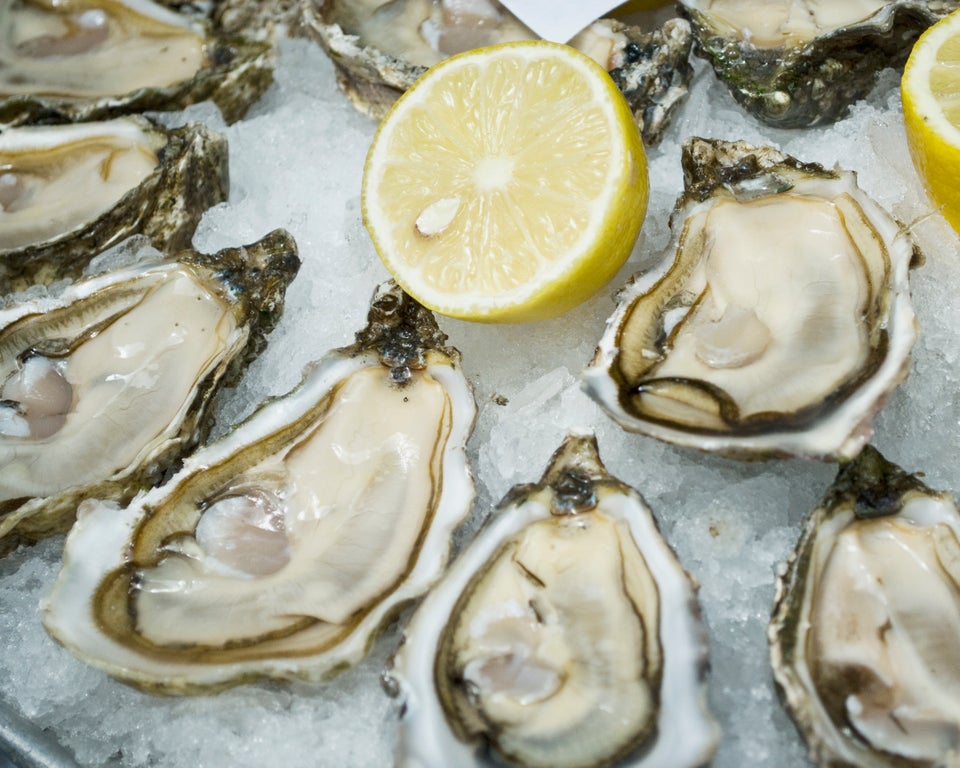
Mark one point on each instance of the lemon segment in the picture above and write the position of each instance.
(507, 184)
(931, 111)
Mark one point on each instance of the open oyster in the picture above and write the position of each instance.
(380, 47)
(103, 388)
(68, 60)
(780, 326)
(565, 635)
(68, 192)
(280, 550)
(797, 63)
(865, 635)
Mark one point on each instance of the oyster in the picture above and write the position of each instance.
(68, 192)
(566, 634)
(281, 549)
(798, 63)
(780, 326)
(71, 60)
(103, 388)
(865, 635)
(380, 47)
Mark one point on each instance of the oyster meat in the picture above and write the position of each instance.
(68, 192)
(865, 635)
(566, 635)
(70, 60)
(104, 387)
(380, 47)
(798, 63)
(781, 324)
(281, 549)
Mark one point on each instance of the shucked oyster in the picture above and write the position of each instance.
(103, 388)
(865, 636)
(566, 635)
(780, 326)
(281, 549)
(797, 63)
(380, 47)
(68, 192)
(67, 60)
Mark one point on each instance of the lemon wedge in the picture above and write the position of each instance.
(508, 184)
(931, 112)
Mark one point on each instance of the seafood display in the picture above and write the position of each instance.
(866, 632)
(80, 60)
(294, 546)
(104, 387)
(281, 549)
(780, 325)
(69, 192)
(567, 634)
(380, 48)
(798, 63)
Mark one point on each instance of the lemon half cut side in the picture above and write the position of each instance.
(508, 184)
(931, 112)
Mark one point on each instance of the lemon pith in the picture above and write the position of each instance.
(931, 111)
(508, 184)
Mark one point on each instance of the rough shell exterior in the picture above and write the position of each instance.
(814, 84)
(654, 80)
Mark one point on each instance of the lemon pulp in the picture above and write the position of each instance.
(931, 110)
(507, 184)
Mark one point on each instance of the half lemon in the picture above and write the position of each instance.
(507, 184)
(931, 112)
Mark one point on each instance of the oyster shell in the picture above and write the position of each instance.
(103, 388)
(281, 549)
(781, 324)
(68, 192)
(566, 634)
(865, 635)
(72, 60)
(798, 63)
(379, 48)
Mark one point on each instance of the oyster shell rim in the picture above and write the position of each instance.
(373, 80)
(192, 176)
(815, 83)
(869, 486)
(257, 275)
(411, 671)
(382, 343)
(711, 165)
(236, 73)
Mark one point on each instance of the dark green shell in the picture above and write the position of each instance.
(815, 83)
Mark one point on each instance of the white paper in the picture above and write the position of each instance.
(558, 21)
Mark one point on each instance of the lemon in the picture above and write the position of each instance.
(507, 184)
(931, 113)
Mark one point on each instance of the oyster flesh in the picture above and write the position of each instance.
(68, 192)
(72, 60)
(780, 326)
(566, 635)
(281, 549)
(798, 63)
(380, 47)
(104, 387)
(865, 635)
